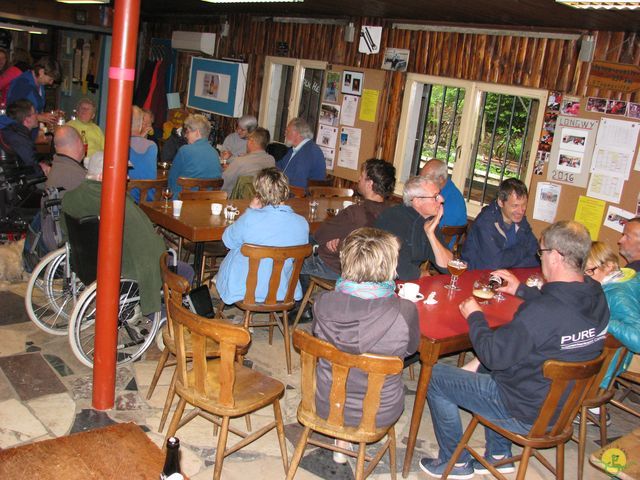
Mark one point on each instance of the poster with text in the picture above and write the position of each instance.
(570, 156)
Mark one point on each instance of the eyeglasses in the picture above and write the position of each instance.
(434, 197)
(591, 271)
(540, 251)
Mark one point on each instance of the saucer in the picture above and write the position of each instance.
(414, 299)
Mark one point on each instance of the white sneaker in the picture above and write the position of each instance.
(339, 457)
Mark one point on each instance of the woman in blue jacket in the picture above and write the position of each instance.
(622, 289)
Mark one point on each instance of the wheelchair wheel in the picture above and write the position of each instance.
(51, 293)
(136, 332)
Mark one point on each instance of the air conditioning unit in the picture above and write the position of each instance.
(195, 41)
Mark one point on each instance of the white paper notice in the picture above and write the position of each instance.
(615, 147)
(349, 147)
(547, 197)
(327, 136)
(349, 109)
(329, 156)
(605, 187)
(617, 218)
(611, 161)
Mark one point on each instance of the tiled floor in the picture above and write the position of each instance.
(45, 392)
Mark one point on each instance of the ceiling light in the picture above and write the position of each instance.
(23, 28)
(252, 1)
(602, 5)
(77, 2)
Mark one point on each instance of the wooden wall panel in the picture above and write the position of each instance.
(519, 61)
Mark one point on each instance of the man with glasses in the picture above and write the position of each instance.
(501, 236)
(415, 223)
(235, 144)
(15, 134)
(566, 320)
(629, 243)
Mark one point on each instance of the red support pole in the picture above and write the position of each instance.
(114, 180)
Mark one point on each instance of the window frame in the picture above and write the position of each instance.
(408, 126)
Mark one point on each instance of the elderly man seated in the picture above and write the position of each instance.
(235, 144)
(67, 171)
(141, 246)
(629, 243)
(250, 164)
(197, 159)
(86, 127)
(566, 320)
(415, 223)
(455, 210)
(500, 236)
(304, 161)
(269, 222)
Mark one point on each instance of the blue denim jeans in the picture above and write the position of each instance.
(452, 388)
(313, 265)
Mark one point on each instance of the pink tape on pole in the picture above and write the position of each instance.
(117, 73)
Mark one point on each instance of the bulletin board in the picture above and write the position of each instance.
(348, 120)
(587, 166)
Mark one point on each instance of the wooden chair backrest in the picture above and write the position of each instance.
(569, 380)
(317, 192)
(208, 195)
(376, 366)
(611, 346)
(145, 185)
(458, 235)
(297, 192)
(200, 183)
(327, 182)
(279, 255)
(173, 286)
(228, 336)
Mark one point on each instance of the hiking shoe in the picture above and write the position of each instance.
(434, 467)
(576, 421)
(340, 457)
(479, 469)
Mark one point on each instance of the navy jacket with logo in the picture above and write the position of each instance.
(564, 321)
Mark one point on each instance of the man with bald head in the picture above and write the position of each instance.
(66, 169)
(455, 210)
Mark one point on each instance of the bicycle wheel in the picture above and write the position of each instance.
(51, 293)
(136, 332)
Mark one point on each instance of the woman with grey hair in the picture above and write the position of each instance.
(235, 144)
(267, 221)
(197, 159)
(364, 315)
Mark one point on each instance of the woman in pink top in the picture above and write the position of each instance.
(8, 72)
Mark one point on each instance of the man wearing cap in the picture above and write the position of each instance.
(235, 144)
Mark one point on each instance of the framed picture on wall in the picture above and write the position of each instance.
(217, 86)
(352, 82)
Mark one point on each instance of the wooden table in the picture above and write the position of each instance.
(620, 457)
(444, 331)
(197, 224)
(114, 452)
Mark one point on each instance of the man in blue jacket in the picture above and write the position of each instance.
(566, 320)
(500, 236)
(15, 133)
(304, 161)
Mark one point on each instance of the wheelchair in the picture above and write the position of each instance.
(63, 286)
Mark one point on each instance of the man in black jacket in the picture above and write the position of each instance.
(566, 320)
(15, 133)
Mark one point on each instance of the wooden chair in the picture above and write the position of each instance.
(145, 185)
(174, 286)
(271, 305)
(457, 234)
(200, 183)
(599, 397)
(220, 389)
(629, 382)
(567, 378)
(317, 192)
(297, 192)
(208, 195)
(378, 367)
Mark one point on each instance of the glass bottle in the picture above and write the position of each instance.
(85, 143)
(171, 470)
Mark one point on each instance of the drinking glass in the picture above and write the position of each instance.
(166, 194)
(483, 290)
(456, 268)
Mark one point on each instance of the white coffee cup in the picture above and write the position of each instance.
(177, 207)
(410, 291)
(216, 208)
(347, 203)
